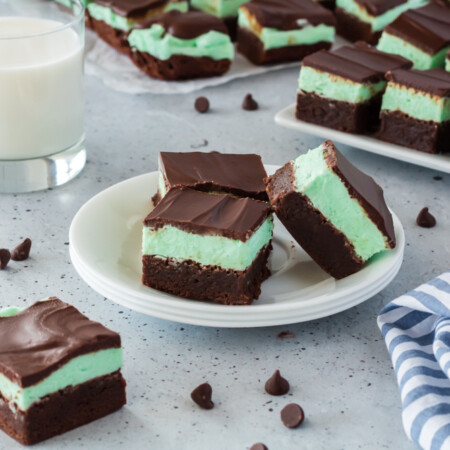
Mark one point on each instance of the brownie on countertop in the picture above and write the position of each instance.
(113, 19)
(182, 46)
(365, 19)
(342, 88)
(241, 175)
(207, 246)
(421, 35)
(416, 110)
(333, 210)
(58, 371)
(274, 31)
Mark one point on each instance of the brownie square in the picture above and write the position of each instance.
(342, 89)
(274, 31)
(59, 370)
(415, 111)
(207, 246)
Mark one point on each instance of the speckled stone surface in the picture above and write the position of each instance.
(338, 367)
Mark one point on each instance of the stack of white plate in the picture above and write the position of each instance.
(105, 247)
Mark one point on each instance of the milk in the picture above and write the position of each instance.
(41, 88)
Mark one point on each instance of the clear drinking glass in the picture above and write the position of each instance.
(41, 93)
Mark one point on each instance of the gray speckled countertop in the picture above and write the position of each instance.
(338, 367)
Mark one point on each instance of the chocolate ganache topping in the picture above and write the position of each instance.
(359, 62)
(378, 7)
(428, 28)
(187, 25)
(432, 81)
(131, 8)
(288, 14)
(209, 214)
(37, 341)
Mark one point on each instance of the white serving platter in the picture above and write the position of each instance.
(286, 118)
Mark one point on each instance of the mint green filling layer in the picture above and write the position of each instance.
(335, 87)
(328, 194)
(273, 38)
(418, 104)
(76, 371)
(162, 45)
(219, 8)
(378, 22)
(107, 15)
(447, 64)
(392, 44)
(171, 242)
(10, 311)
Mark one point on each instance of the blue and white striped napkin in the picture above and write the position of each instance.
(416, 328)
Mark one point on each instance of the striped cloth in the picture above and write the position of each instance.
(416, 328)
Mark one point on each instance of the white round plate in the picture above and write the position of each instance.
(105, 248)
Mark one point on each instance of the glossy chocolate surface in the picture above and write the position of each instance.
(221, 170)
(288, 14)
(427, 28)
(209, 214)
(359, 62)
(43, 337)
(432, 81)
(187, 25)
(131, 8)
(378, 7)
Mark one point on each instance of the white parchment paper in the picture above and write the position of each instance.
(119, 73)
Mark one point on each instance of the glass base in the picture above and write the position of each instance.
(36, 174)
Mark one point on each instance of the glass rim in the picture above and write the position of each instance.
(76, 18)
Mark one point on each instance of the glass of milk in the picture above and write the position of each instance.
(41, 93)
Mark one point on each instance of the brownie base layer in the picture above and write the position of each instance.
(343, 116)
(64, 410)
(192, 280)
(326, 245)
(253, 49)
(423, 135)
(179, 67)
(353, 29)
(232, 26)
(115, 38)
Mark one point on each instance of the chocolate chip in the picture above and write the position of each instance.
(5, 256)
(259, 446)
(425, 219)
(276, 384)
(437, 178)
(286, 335)
(249, 103)
(201, 104)
(292, 415)
(22, 251)
(202, 396)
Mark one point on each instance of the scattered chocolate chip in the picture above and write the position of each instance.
(22, 251)
(437, 178)
(249, 103)
(286, 335)
(201, 104)
(292, 415)
(276, 384)
(425, 219)
(259, 446)
(5, 256)
(202, 396)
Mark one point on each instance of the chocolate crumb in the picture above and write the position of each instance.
(202, 396)
(276, 384)
(286, 335)
(249, 103)
(5, 256)
(22, 251)
(437, 178)
(201, 104)
(425, 219)
(259, 446)
(292, 415)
